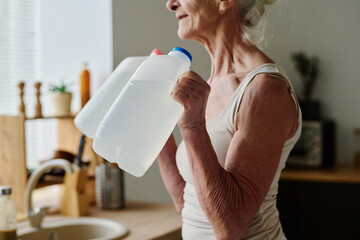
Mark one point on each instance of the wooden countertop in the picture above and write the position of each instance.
(145, 220)
(336, 174)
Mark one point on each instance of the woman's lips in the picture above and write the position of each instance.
(181, 16)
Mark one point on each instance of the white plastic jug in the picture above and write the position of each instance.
(143, 116)
(90, 116)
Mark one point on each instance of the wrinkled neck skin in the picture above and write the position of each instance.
(229, 54)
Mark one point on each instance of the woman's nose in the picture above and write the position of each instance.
(172, 5)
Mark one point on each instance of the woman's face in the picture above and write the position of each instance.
(196, 17)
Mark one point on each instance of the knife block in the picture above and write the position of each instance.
(75, 201)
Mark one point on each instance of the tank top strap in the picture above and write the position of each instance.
(270, 68)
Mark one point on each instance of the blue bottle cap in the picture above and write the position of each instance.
(183, 51)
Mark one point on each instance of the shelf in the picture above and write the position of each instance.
(51, 117)
(337, 174)
(13, 149)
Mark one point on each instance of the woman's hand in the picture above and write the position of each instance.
(192, 92)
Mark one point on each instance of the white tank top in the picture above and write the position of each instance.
(266, 223)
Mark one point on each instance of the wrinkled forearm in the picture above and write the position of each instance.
(173, 181)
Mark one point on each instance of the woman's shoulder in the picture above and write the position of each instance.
(269, 92)
(267, 85)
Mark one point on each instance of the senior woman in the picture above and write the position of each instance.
(238, 127)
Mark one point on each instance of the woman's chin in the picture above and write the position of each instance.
(180, 34)
(184, 34)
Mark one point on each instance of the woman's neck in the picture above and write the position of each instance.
(228, 52)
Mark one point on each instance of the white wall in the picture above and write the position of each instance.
(327, 28)
(73, 31)
(140, 26)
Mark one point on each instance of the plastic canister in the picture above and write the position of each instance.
(89, 118)
(140, 121)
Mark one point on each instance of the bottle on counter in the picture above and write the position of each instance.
(7, 214)
(143, 116)
(89, 118)
(84, 83)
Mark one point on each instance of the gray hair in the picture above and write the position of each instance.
(254, 23)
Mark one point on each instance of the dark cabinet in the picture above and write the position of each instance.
(316, 211)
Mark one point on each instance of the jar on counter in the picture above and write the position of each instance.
(7, 214)
(109, 180)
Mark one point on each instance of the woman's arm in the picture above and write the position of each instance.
(174, 183)
(231, 196)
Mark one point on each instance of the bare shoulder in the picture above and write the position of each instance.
(268, 86)
(268, 97)
(269, 90)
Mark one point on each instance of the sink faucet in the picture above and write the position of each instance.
(36, 216)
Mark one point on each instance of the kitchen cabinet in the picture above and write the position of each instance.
(13, 151)
(320, 204)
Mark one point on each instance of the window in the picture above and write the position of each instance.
(19, 61)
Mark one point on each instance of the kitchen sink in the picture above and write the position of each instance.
(66, 228)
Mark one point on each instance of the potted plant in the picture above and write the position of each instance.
(59, 97)
(309, 71)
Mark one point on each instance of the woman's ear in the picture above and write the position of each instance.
(225, 5)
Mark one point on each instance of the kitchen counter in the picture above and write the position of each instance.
(320, 203)
(341, 173)
(145, 220)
